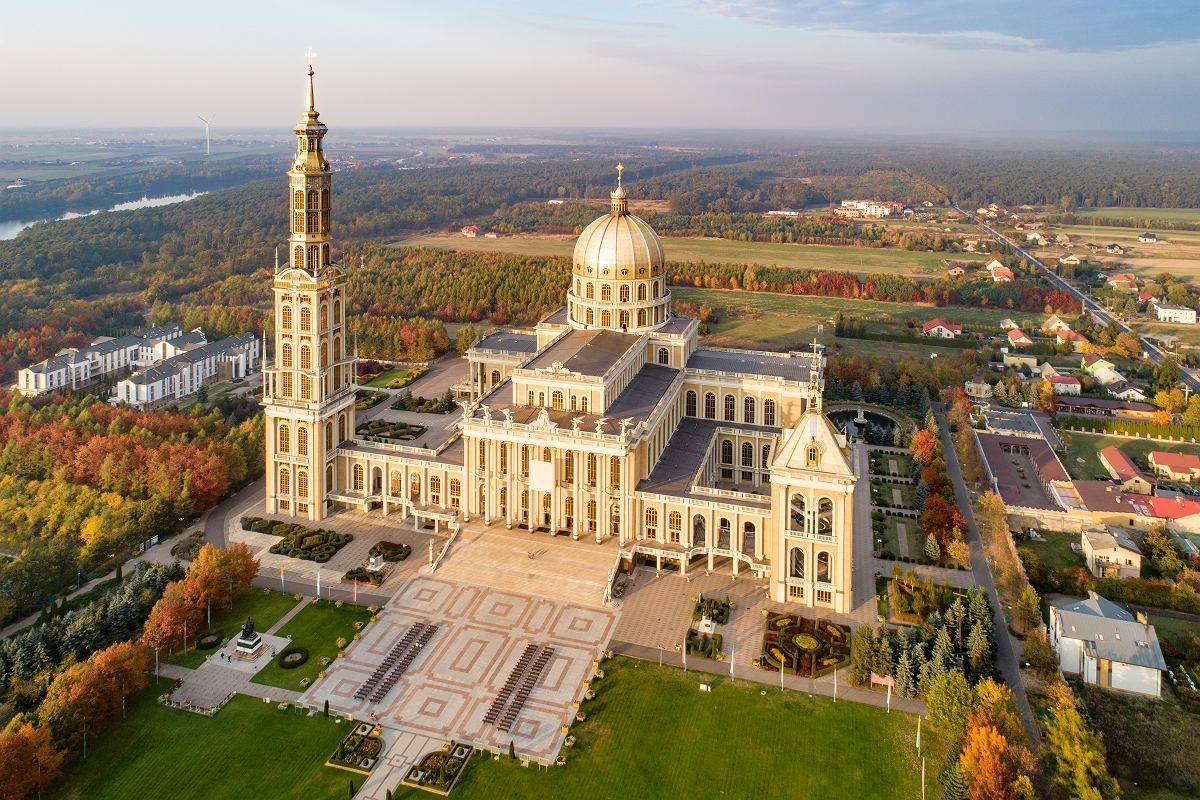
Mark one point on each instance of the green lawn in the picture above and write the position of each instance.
(912, 535)
(250, 749)
(317, 628)
(783, 322)
(1083, 452)
(402, 375)
(265, 607)
(652, 734)
(1056, 553)
(1164, 214)
(806, 256)
(1172, 628)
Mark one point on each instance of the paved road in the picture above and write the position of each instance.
(1097, 311)
(1007, 646)
(236, 504)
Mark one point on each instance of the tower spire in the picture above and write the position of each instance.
(312, 95)
(619, 202)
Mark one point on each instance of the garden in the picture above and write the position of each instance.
(713, 609)
(267, 606)
(424, 405)
(311, 544)
(390, 551)
(359, 751)
(368, 398)
(438, 771)
(382, 430)
(805, 647)
(322, 630)
(379, 375)
(913, 598)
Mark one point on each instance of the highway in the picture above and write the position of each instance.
(1094, 309)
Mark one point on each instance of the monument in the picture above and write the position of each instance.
(249, 641)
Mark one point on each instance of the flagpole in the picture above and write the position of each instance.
(835, 685)
(318, 583)
(918, 736)
(922, 778)
(281, 586)
(889, 699)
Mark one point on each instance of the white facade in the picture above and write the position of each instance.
(1166, 312)
(1106, 646)
(183, 373)
(75, 368)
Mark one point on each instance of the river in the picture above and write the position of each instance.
(10, 228)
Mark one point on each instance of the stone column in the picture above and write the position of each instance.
(576, 487)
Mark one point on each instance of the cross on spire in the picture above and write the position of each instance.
(620, 169)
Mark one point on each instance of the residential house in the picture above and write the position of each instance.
(75, 368)
(1167, 312)
(1146, 297)
(1124, 390)
(1003, 275)
(993, 265)
(1115, 249)
(1092, 363)
(1018, 338)
(1018, 360)
(1106, 645)
(1065, 384)
(1176, 466)
(1104, 407)
(185, 372)
(1007, 324)
(1123, 282)
(1149, 238)
(977, 387)
(1068, 336)
(1111, 551)
(1125, 472)
(470, 231)
(956, 271)
(1055, 323)
(1036, 238)
(941, 329)
(1070, 258)
(1062, 238)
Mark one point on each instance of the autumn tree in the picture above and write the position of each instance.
(983, 764)
(924, 446)
(172, 618)
(29, 761)
(1077, 755)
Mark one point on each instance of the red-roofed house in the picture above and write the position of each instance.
(1065, 384)
(1123, 470)
(470, 230)
(1146, 297)
(956, 271)
(1176, 466)
(1018, 338)
(1076, 339)
(1182, 512)
(941, 329)
(1003, 275)
(1123, 281)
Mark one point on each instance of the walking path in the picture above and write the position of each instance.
(286, 618)
(902, 539)
(212, 682)
(1006, 655)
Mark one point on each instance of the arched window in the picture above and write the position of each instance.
(435, 490)
(796, 564)
(545, 454)
(286, 384)
(285, 482)
(341, 427)
(556, 400)
(525, 505)
(324, 354)
(524, 461)
(495, 378)
(624, 293)
(651, 523)
(298, 200)
(798, 512)
(730, 408)
(664, 355)
(825, 517)
(726, 451)
(591, 515)
(748, 410)
(286, 356)
(305, 355)
(324, 316)
(285, 439)
(302, 483)
(641, 317)
(614, 472)
(455, 493)
(605, 293)
(747, 454)
(769, 413)
(583, 404)
(482, 455)
(823, 562)
(723, 534)
(298, 255)
(591, 290)
(689, 403)
(503, 458)
(414, 487)
(338, 352)
(641, 291)
(578, 286)
(358, 480)
(710, 406)
(530, 397)
(698, 531)
(328, 435)
(305, 387)
(812, 457)
(396, 484)
(337, 312)
(503, 500)
(569, 466)
(605, 319)
(285, 318)
(674, 526)
(591, 470)
(766, 456)
(591, 319)
(614, 519)
(656, 290)
(569, 510)
(624, 320)
(541, 400)
(748, 532)
(305, 318)
(302, 441)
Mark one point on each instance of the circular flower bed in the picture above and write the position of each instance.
(806, 641)
(209, 640)
(804, 647)
(293, 657)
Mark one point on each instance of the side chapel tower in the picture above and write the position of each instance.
(308, 393)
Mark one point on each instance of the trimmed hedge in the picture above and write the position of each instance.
(310, 544)
(292, 657)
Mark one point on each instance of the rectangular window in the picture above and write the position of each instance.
(795, 592)
(824, 596)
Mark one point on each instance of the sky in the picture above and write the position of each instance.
(870, 66)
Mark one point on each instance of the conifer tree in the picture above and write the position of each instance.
(933, 550)
(955, 782)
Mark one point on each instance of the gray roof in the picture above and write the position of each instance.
(1110, 630)
(557, 317)
(684, 455)
(643, 393)
(1111, 536)
(179, 361)
(675, 324)
(509, 342)
(795, 368)
(587, 352)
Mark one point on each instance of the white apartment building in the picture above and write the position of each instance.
(75, 368)
(183, 373)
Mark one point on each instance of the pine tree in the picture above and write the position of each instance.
(906, 676)
(979, 653)
(885, 660)
(943, 654)
(933, 550)
(931, 422)
(921, 494)
(955, 782)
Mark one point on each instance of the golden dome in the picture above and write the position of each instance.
(618, 245)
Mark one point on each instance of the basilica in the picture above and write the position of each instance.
(607, 422)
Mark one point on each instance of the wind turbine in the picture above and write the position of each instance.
(207, 122)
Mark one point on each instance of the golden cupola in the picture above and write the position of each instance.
(618, 280)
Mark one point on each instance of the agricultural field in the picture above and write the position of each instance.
(806, 256)
(1121, 212)
(1177, 253)
(782, 322)
(816, 748)
(1082, 458)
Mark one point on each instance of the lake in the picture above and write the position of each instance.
(10, 228)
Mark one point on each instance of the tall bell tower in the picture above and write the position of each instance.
(308, 393)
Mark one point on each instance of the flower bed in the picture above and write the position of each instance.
(310, 544)
(359, 751)
(716, 610)
(390, 551)
(804, 647)
(438, 771)
(382, 430)
(368, 398)
(364, 575)
(703, 645)
(210, 640)
(425, 405)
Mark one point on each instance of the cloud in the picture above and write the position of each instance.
(1070, 25)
